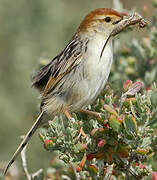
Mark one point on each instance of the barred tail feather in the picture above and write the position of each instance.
(25, 141)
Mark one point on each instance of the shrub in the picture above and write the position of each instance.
(121, 142)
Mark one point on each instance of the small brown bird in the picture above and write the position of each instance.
(75, 77)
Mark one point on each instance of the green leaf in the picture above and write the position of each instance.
(154, 98)
(130, 124)
(110, 110)
(114, 123)
(146, 142)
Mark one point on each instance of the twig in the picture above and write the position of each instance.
(24, 162)
(37, 173)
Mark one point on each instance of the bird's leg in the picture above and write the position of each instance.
(67, 114)
(81, 133)
(93, 113)
(98, 115)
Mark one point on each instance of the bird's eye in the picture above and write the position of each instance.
(107, 19)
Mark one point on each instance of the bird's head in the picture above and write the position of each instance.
(102, 21)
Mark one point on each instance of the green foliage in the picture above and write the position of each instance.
(121, 142)
(121, 138)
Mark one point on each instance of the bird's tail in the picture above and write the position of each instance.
(25, 141)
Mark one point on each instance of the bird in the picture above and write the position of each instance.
(77, 75)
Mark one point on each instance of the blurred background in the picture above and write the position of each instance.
(30, 30)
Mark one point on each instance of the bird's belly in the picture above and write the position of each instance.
(89, 87)
(97, 78)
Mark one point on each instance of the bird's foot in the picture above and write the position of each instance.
(92, 113)
(81, 133)
(67, 114)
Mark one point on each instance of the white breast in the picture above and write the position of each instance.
(97, 68)
(94, 74)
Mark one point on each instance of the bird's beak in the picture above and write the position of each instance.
(116, 22)
(123, 14)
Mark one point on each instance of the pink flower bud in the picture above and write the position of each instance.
(114, 105)
(142, 166)
(48, 141)
(93, 131)
(84, 146)
(106, 125)
(127, 84)
(101, 143)
(78, 169)
(154, 175)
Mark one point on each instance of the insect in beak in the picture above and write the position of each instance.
(128, 21)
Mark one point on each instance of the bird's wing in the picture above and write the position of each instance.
(64, 68)
(52, 73)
